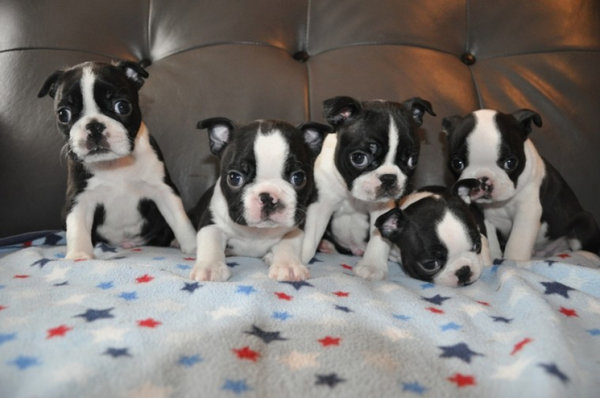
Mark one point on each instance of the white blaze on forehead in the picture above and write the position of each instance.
(484, 141)
(393, 140)
(270, 151)
(453, 233)
(87, 91)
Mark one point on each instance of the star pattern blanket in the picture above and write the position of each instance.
(131, 324)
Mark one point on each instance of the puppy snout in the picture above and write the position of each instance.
(96, 129)
(464, 275)
(486, 185)
(269, 203)
(388, 180)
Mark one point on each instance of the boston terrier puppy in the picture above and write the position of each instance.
(257, 206)
(521, 194)
(118, 189)
(441, 239)
(361, 170)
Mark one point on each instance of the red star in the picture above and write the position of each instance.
(2, 307)
(144, 278)
(137, 249)
(434, 310)
(27, 244)
(484, 303)
(189, 259)
(58, 331)
(78, 260)
(519, 346)
(246, 353)
(283, 296)
(462, 380)
(346, 266)
(149, 323)
(22, 276)
(568, 312)
(328, 340)
(564, 255)
(341, 294)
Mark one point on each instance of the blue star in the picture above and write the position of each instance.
(246, 289)
(23, 362)
(2, 286)
(158, 258)
(414, 387)
(402, 317)
(298, 284)
(552, 369)
(41, 262)
(105, 285)
(460, 350)
(191, 287)
(183, 266)
(427, 285)
(437, 299)
(557, 288)
(4, 337)
(59, 255)
(281, 315)
(129, 296)
(106, 248)
(265, 336)
(236, 386)
(594, 332)
(331, 380)
(52, 239)
(450, 326)
(232, 264)
(92, 315)
(65, 283)
(343, 308)
(501, 319)
(190, 361)
(117, 352)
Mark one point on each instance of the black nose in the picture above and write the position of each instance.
(95, 129)
(269, 204)
(388, 180)
(464, 275)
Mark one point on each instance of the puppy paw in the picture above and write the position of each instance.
(217, 272)
(78, 255)
(370, 272)
(289, 272)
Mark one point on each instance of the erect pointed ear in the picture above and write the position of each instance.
(449, 124)
(464, 187)
(51, 84)
(391, 223)
(219, 133)
(134, 72)
(314, 135)
(525, 117)
(338, 110)
(418, 106)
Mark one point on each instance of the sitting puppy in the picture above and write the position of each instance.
(521, 194)
(258, 203)
(360, 171)
(118, 189)
(441, 239)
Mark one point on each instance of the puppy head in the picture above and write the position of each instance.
(488, 146)
(378, 146)
(266, 169)
(97, 109)
(438, 238)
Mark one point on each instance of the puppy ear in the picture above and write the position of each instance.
(525, 117)
(449, 124)
(418, 106)
(463, 188)
(314, 135)
(134, 72)
(338, 110)
(219, 133)
(391, 223)
(51, 84)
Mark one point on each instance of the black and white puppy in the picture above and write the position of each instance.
(360, 171)
(441, 238)
(118, 189)
(257, 206)
(521, 194)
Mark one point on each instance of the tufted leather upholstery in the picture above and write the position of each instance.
(281, 59)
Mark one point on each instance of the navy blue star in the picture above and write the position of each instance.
(460, 350)
(267, 337)
(331, 380)
(65, 283)
(41, 262)
(550, 262)
(552, 369)
(232, 264)
(118, 257)
(106, 248)
(52, 239)
(501, 319)
(117, 352)
(92, 315)
(498, 261)
(437, 299)
(557, 288)
(314, 260)
(343, 308)
(190, 287)
(297, 284)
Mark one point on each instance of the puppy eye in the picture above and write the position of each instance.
(457, 164)
(510, 164)
(359, 159)
(412, 162)
(64, 115)
(431, 265)
(235, 179)
(298, 179)
(122, 107)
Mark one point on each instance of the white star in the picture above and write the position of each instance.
(593, 306)
(473, 309)
(58, 274)
(299, 360)
(73, 299)
(223, 312)
(382, 360)
(517, 294)
(318, 296)
(168, 306)
(386, 287)
(14, 321)
(151, 391)
(103, 267)
(396, 334)
(71, 372)
(108, 333)
(512, 371)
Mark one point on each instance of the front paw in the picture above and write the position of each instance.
(289, 271)
(78, 255)
(370, 272)
(217, 272)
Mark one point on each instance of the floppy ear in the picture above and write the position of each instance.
(314, 135)
(449, 124)
(51, 84)
(418, 106)
(391, 223)
(219, 133)
(463, 188)
(338, 110)
(524, 118)
(134, 72)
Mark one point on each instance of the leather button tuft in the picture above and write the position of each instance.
(301, 56)
(468, 59)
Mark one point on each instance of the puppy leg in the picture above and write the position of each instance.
(171, 207)
(492, 239)
(374, 263)
(210, 256)
(317, 218)
(79, 230)
(350, 229)
(284, 259)
(523, 234)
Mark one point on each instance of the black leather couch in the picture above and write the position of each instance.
(281, 59)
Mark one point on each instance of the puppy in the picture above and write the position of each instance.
(441, 238)
(360, 171)
(118, 189)
(257, 206)
(522, 196)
